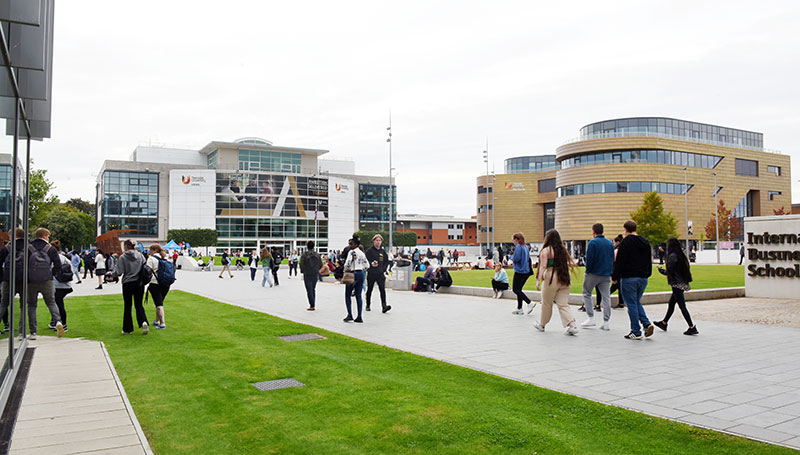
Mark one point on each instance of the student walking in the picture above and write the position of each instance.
(293, 261)
(522, 271)
(633, 267)
(741, 253)
(679, 276)
(614, 284)
(310, 266)
(500, 281)
(555, 266)
(43, 262)
(266, 266)
(10, 262)
(226, 265)
(599, 267)
(61, 284)
(100, 271)
(356, 264)
(253, 263)
(277, 258)
(75, 263)
(88, 264)
(129, 267)
(163, 277)
(378, 263)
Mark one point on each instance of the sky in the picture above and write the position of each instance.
(524, 76)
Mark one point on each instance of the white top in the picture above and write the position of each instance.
(356, 260)
(253, 262)
(152, 262)
(100, 261)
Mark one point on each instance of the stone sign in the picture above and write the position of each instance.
(772, 255)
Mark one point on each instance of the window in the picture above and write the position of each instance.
(450, 237)
(547, 185)
(482, 189)
(774, 170)
(461, 226)
(211, 160)
(747, 168)
(772, 195)
(130, 201)
(622, 187)
(262, 160)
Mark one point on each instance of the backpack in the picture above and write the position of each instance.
(444, 278)
(40, 266)
(144, 276)
(19, 265)
(313, 264)
(64, 273)
(166, 273)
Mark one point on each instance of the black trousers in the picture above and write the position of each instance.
(518, 283)
(680, 299)
(499, 285)
(90, 270)
(132, 294)
(292, 267)
(275, 274)
(158, 292)
(614, 287)
(310, 280)
(381, 280)
(60, 294)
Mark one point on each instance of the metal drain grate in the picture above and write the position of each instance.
(277, 384)
(302, 337)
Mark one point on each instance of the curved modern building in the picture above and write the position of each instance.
(603, 175)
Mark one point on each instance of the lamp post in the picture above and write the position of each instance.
(494, 183)
(391, 189)
(716, 214)
(486, 212)
(686, 207)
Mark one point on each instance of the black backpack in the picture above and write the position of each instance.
(64, 273)
(40, 266)
(145, 275)
(19, 264)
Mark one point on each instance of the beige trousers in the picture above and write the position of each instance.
(559, 294)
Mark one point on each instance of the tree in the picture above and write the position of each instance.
(194, 237)
(90, 228)
(729, 228)
(67, 226)
(652, 222)
(41, 201)
(781, 211)
(82, 206)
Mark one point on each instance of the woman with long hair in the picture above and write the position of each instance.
(522, 271)
(357, 264)
(679, 276)
(555, 267)
(157, 290)
(100, 271)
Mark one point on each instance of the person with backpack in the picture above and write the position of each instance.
(76, 265)
(310, 267)
(43, 264)
(61, 283)
(135, 275)
(100, 271)
(266, 265)
(18, 264)
(163, 277)
(277, 258)
(442, 278)
(354, 267)
(226, 264)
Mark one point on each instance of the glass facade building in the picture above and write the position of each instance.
(528, 164)
(622, 187)
(375, 206)
(669, 127)
(129, 201)
(643, 156)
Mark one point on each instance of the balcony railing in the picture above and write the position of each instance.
(665, 136)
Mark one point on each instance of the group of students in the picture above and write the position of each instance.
(628, 266)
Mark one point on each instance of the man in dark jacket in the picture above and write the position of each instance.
(378, 262)
(599, 266)
(42, 260)
(88, 264)
(310, 265)
(633, 266)
(277, 258)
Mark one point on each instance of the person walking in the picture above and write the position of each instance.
(615, 285)
(522, 271)
(43, 261)
(415, 260)
(129, 267)
(266, 266)
(390, 257)
(440, 257)
(741, 253)
(356, 263)
(599, 267)
(253, 263)
(10, 262)
(455, 256)
(633, 267)
(100, 271)
(679, 276)
(62, 288)
(277, 258)
(500, 281)
(293, 262)
(88, 264)
(555, 267)
(75, 263)
(159, 288)
(378, 263)
(226, 265)
(310, 266)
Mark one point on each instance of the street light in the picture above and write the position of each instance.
(391, 188)
(686, 207)
(716, 213)
(494, 183)
(486, 212)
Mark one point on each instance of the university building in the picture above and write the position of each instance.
(252, 192)
(439, 230)
(603, 175)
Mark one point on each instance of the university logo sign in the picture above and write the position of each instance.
(515, 186)
(186, 179)
(192, 180)
(341, 188)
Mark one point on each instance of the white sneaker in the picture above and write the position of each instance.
(60, 329)
(520, 312)
(499, 295)
(588, 323)
(494, 294)
(571, 330)
(538, 327)
(531, 306)
(145, 329)
(605, 326)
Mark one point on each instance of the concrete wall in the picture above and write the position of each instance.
(772, 267)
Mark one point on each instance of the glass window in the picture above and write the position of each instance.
(547, 185)
(746, 167)
(774, 170)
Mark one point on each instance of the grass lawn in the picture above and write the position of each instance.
(705, 277)
(189, 386)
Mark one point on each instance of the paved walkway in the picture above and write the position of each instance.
(72, 404)
(738, 378)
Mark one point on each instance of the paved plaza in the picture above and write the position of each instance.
(738, 378)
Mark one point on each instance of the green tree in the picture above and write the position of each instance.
(194, 237)
(90, 228)
(66, 225)
(41, 199)
(652, 222)
(82, 206)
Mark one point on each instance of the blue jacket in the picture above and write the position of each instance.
(76, 261)
(522, 259)
(600, 256)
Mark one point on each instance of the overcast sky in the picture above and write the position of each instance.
(323, 74)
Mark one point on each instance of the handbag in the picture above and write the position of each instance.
(348, 278)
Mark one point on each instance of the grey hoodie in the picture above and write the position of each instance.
(129, 265)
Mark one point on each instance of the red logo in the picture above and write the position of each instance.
(186, 179)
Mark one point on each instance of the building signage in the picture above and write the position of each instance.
(515, 186)
(192, 199)
(772, 250)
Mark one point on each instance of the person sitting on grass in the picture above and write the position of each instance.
(499, 282)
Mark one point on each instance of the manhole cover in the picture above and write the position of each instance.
(277, 384)
(302, 337)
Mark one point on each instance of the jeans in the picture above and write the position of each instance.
(517, 283)
(680, 299)
(77, 272)
(292, 267)
(132, 294)
(253, 274)
(381, 280)
(632, 290)
(357, 286)
(310, 280)
(60, 294)
(267, 278)
(48, 291)
(603, 284)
